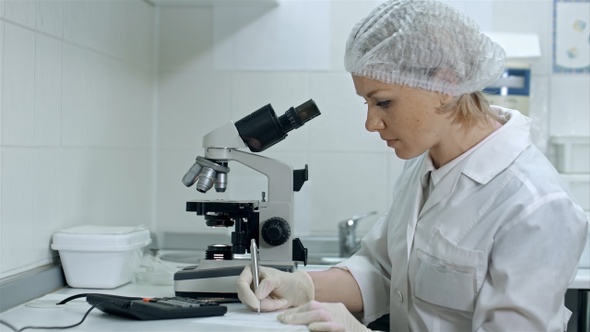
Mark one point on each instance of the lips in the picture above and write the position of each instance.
(391, 142)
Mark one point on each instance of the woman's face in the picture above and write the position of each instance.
(406, 118)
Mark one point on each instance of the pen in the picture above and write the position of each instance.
(254, 266)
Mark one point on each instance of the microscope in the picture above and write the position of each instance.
(269, 221)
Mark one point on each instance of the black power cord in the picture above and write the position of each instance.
(64, 301)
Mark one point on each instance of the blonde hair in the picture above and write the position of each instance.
(469, 109)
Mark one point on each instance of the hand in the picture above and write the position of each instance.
(277, 289)
(322, 316)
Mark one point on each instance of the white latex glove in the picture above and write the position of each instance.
(322, 316)
(277, 289)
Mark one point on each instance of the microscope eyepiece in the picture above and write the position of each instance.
(307, 111)
(262, 129)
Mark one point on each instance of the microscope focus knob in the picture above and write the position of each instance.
(276, 231)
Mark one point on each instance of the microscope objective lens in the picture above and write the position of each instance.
(206, 179)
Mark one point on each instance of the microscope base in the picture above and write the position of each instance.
(217, 279)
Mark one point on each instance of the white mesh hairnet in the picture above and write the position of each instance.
(424, 44)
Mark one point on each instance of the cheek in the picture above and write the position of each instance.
(416, 128)
(422, 118)
(409, 122)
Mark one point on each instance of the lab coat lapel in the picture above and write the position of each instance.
(443, 189)
(413, 204)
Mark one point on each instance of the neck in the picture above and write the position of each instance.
(460, 139)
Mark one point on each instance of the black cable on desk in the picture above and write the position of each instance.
(73, 297)
(55, 327)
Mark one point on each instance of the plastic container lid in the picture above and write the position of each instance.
(101, 238)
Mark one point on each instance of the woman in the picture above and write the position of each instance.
(480, 235)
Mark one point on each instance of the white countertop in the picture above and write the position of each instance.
(44, 312)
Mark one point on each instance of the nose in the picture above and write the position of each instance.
(373, 122)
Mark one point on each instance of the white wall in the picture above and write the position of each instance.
(79, 126)
(76, 121)
(351, 170)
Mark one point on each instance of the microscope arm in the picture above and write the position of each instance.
(279, 174)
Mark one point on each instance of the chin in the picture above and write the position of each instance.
(405, 155)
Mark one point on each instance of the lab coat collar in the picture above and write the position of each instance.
(512, 138)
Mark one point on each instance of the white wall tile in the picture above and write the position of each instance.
(346, 184)
(190, 105)
(96, 107)
(106, 102)
(109, 30)
(75, 14)
(98, 25)
(17, 207)
(134, 98)
(282, 35)
(480, 11)
(579, 186)
(2, 57)
(1, 201)
(76, 138)
(515, 17)
(570, 102)
(47, 196)
(99, 112)
(252, 90)
(48, 79)
(74, 96)
(19, 86)
(21, 12)
(50, 18)
(107, 123)
(341, 127)
(185, 38)
(106, 186)
(136, 45)
(344, 15)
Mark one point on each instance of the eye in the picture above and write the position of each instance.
(384, 103)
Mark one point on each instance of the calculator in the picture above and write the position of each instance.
(155, 308)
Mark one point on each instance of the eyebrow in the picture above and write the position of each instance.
(372, 92)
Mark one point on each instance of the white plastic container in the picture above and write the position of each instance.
(100, 256)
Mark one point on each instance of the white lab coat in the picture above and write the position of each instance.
(494, 248)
